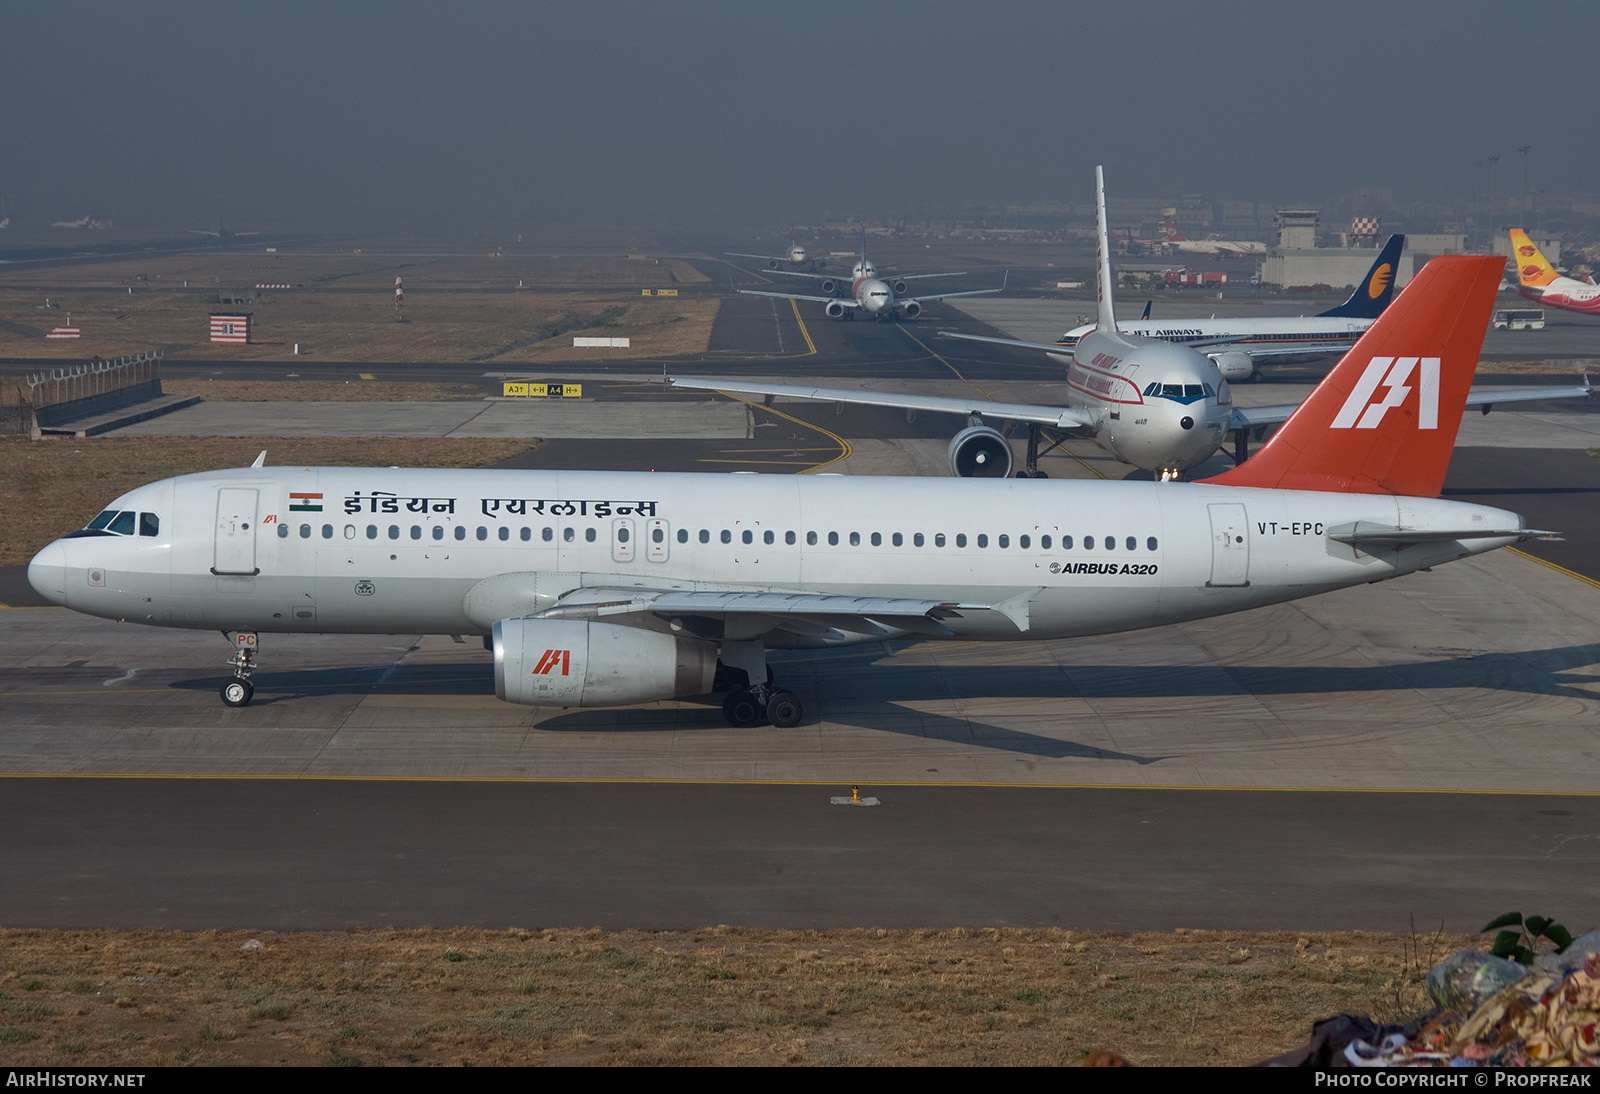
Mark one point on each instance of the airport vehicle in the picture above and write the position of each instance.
(1159, 406)
(1519, 319)
(1539, 281)
(1174, 240)
(607, 588)
(869, 293)
(1237, 345)
(795, 256)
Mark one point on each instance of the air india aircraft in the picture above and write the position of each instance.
(603, 588)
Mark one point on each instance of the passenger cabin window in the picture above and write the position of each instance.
(1150, 544)
(505, 533)
(394, 531)
(727, 536)
(372, 531)
(833, 539)
(416, 531)
(1002, 541)
(305, 531)
(748, 537)
(1132, 544)
(327, 531)
(283, 531)
(483, 533)
(438, 531)
(547, 534)
(1044, 543)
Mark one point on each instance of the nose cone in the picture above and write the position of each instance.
(47, 573)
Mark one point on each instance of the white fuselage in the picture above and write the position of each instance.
(875, 296)
(1319, 334)
(1162, 407)
(1566, 293)
(388, 550)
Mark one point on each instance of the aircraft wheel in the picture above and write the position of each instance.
(742, 709)
(784, 710)
(236, 693)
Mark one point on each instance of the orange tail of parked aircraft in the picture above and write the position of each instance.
(1385, 419)
(1533, 269)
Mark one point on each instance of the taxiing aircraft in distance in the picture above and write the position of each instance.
(222, 232)
(1158, 404)
(795, 256)
(1538, 280)
(1238, 345)
(1154, 404)
(1174, 240)
(878, 297)
(605, 588)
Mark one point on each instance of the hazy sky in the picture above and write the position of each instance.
(404, 115)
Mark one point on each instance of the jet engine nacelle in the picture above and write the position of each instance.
(834, 310)
(980, 452)
(899, 287)
(1234, 365)
(910, 309)
(829, 286)
(774, 263)
(576, 663)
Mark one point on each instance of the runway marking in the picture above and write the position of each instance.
(811, 347)
(946, 364)
(844, 446)
(366, 375)
(835, 783)
(1556, 568)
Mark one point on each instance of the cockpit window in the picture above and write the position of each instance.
(115, 522)
(149, 524)
(99, 523)
(122, 523)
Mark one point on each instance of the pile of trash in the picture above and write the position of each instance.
(1491, 1012)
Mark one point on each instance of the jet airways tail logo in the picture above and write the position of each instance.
(1362, 411)
(1380, 280)
(552, 660)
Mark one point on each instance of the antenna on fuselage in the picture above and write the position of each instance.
(261, 460)
(1106, 316)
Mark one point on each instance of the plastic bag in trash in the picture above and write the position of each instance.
(1467, 977)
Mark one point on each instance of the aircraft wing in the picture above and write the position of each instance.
(815, 615)
(1058, 417)
(1243, 344)
(1047, 347)
(1483, 398)
(842, 301)
(919, 297)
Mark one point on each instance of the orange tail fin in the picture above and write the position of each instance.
(1533, 269)
(1385, 419)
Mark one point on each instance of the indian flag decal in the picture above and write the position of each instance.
(305, 503)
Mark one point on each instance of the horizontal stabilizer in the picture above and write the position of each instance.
(1364, 534)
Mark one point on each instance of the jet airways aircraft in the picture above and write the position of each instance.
(1540, 281)
(605, 588)
(795, 256)
(1236, 345)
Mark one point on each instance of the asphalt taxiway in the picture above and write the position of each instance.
(1421, 750)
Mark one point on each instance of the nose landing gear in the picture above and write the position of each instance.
(238, 691)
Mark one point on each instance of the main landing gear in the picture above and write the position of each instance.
(747, 704)
(238, 691)
(1030, 463)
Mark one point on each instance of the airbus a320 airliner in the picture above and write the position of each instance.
(604, 588)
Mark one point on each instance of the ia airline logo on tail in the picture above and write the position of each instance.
(552, 660)
(1362, 411)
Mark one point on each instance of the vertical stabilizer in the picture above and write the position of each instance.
(1385, 419)
(1375, 291)
(1106, 317)
(1533, 268)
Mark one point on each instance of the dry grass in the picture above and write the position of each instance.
(458, 308)
(50, 487)
(715, 996)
